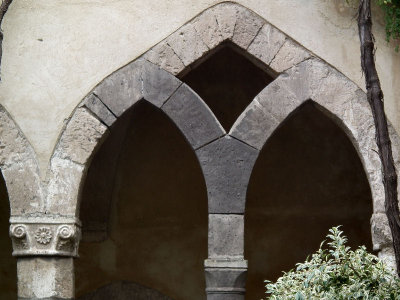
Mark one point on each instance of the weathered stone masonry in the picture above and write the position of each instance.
(45, 228)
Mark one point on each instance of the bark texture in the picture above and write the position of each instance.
(3, 9)
(375, 99)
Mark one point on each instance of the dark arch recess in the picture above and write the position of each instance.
(8, 270)
(154, 221)
(308, 178)
(227, 79)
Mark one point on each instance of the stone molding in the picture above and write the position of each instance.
(225, 277)
(45, 236)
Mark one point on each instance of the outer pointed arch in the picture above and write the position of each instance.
(93, 120)
(225, 22)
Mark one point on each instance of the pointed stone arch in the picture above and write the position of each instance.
(226, 159)
(93, 119)
(341, 100)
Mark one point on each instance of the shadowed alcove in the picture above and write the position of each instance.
(227, 80)
(8, 271)
(307, 179)
(149, 227)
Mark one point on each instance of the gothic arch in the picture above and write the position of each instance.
(342, 101)
(226, 159)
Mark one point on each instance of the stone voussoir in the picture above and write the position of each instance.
(81, 136)
(267, 43)
(94, 104)
(193, 117)
(289, 54)
(248, 24)
(227, 165)
(187, 44)
(158, 84)
(254, 126)
(122, 89)
(164, 56)
(217, 24)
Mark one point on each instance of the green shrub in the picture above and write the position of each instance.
(336, 273)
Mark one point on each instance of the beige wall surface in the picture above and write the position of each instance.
(55, 52)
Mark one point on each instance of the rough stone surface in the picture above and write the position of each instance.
(187, 44)
(163, 56)
(247, 26)
(45, 278)
(158, 85)
(123, 290)
(387, 255)
(267, 43)
(64, 186)
(225, 235)
(23, 189)
(93, 104)
(227, 164)
(216, 25)
(193, 117)
(254, 125)
(381, 234)
(81, 137)
(278, 101)
(14, 148)
(289, 54)
(122, 89)
(19, 168)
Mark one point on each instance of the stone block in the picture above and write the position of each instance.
(247, 26)
(278, 101)
(93, 104)
(45, 278)
(187, 44)
(289, 54)
(387, 256)
(254, 126)
(193, 117)
(225, 235)
(23, 189)
(14, 148)
(381, 234)
(227, 165)
(225, 279)
(81, 136)
(64, 187)
(158, 84)
(216, 25)
(122, 89)
(267, 43)
(163, 56)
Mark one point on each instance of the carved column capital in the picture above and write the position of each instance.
(45, 236)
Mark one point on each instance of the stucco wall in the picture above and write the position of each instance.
(56, 52)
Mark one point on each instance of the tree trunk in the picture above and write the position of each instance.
(375, 99)
(3, 9)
